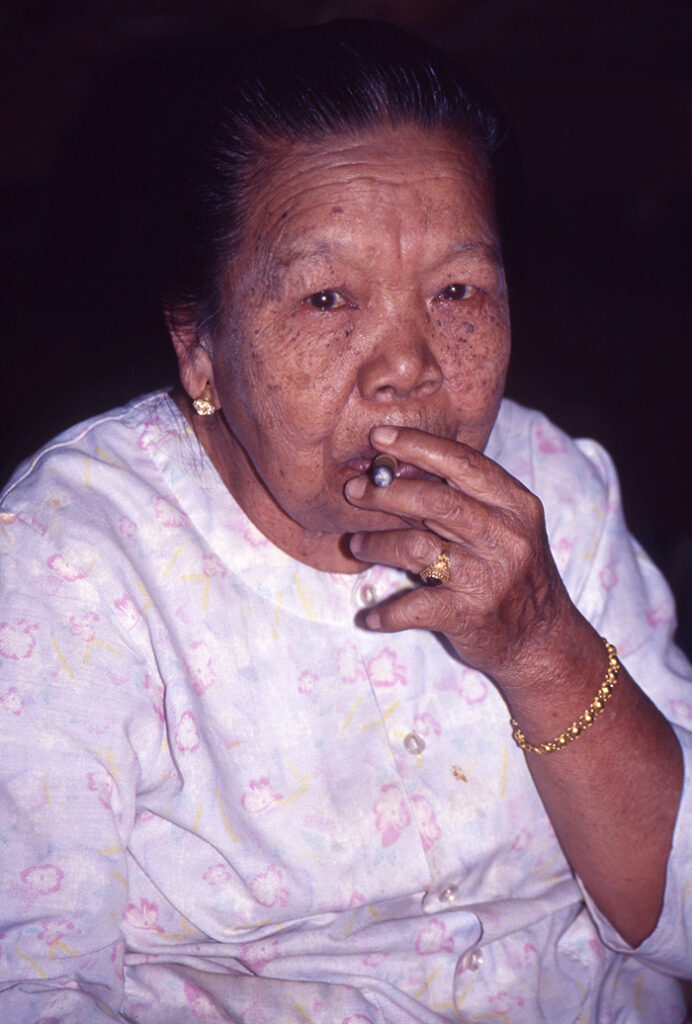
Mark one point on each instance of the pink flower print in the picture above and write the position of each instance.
(186, 734)
(154, 688)
(428, 828)
(349, 664)
(521, 840)
(153, 434)
(356, 1018)
(202, 1005)
(253, 536)
(386, 669)
(12, 702)
(213, 566)
(216, 874)
(53, 931)
(662, 613)
(102, 784)
(561, 552)
(145, 917)
(433, 938)
(258, 954)
(608, 576)
(597, 946)
(373, 959)
(259, 796)
(127, 527)
(81, 626)
(306, 682)
(254, 1015)
(681, 709)
(503, 1002)
(16, 641)
(426, 725)
(198, 661)
(183, 613)
(531, 954)
(357, 899)
(267, 888)
(473, 688)
(391, 814)
(43, 878)
(62, 568)
(169, 515)
(28, 520)
(127, 612)
(549, 441)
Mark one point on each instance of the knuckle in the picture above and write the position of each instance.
(423, 547)
(445, 504)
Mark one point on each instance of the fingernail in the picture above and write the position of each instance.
(356, 543)
(372, 620)
(356, 488)
(384, 435)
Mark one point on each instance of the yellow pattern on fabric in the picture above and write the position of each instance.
(227, 825)
(309, 611)
(426, 984)
(351, 713)
(39, 970)
(385, 715)
(62, 657)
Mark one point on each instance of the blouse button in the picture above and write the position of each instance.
(413, 743)
(473, 960)
(368, 594)
(448, 894)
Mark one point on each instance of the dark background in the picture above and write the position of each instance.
(600, 97)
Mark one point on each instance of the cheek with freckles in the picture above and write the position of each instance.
(293, 381)
(474, 356)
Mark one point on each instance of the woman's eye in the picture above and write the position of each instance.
(326, 299)
(457, 291)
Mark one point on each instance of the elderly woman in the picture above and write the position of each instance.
(258, 768)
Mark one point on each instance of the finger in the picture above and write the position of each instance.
(421, 608)
(462, 466)
(454, 515)
(403, 549)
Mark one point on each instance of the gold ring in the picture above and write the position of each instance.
(438, 571)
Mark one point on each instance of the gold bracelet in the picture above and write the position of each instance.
(585, 720)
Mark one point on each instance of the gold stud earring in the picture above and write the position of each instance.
(203, 405)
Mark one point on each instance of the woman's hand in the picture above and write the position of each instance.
(504, 600)
(613, 795)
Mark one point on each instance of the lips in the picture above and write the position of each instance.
(361, 464)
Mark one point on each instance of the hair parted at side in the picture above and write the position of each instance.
(304, 84)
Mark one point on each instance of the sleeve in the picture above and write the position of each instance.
(627, 600)
(73, 714)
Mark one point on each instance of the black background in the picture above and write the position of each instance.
(600, 97)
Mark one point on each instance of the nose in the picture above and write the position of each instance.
(400, 365)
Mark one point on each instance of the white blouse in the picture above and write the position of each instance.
(223, 800)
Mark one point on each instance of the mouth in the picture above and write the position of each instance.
(362, 464)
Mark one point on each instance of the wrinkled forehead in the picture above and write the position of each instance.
(431, 185)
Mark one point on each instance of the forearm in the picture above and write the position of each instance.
(613, 794)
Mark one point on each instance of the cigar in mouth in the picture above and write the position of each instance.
(383, 470)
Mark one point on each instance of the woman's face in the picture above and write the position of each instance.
(368, 290)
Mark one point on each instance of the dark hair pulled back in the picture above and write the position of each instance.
(301, 84)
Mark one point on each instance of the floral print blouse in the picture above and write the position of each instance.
(222, 800)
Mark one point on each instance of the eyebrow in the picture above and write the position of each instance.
(489, 250)
(288, 255)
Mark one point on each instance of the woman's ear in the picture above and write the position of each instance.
(192, 350)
